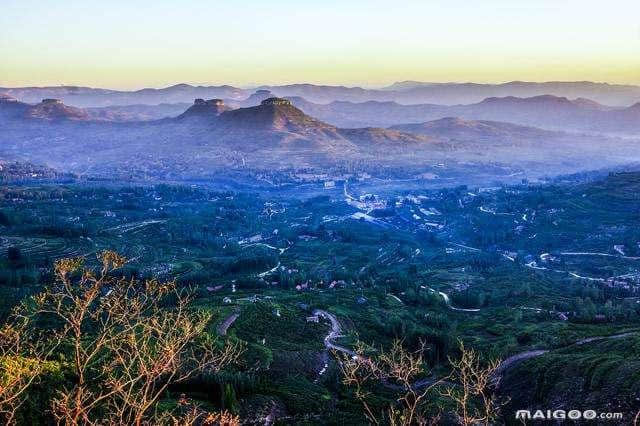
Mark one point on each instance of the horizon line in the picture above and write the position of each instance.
(366, 87)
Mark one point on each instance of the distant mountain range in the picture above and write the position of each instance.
(206, 136)
(403, 93)
(210, 135)
(546, 111)
(455, 93)
(90, 97)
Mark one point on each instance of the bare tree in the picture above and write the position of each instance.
(397, 369)
(473, 399)
(23, 358)
(129, 340)
(193, 415)
(221, 419)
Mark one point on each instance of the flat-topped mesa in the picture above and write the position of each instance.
(274, 114)
(276, 101)
(204, 108)
(55, 109)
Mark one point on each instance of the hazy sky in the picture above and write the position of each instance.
(153, 43)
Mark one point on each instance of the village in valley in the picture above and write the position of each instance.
(536, 266)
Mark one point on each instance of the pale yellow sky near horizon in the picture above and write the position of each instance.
(158, 43)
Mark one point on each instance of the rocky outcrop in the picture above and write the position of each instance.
(204, 109)
(55, 110)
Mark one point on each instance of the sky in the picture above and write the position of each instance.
(155, 43)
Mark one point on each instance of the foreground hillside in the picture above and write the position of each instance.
(601, 375)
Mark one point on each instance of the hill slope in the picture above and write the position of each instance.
(273, 114)
(601, 376)
(454, 128)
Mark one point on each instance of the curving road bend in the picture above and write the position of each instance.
(334, 333)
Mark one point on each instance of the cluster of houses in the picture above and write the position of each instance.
(333, 284)
(627, 283)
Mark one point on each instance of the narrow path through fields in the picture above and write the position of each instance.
(228, 321)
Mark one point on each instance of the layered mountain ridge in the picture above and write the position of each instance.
(408, 93)
(208, 134)
(281, 133)
(544, 111)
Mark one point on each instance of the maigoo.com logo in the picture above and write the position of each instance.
(564, 414)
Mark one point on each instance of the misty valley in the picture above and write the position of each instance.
(419, 254)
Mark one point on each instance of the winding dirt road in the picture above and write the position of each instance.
(334, 333)
(505, 365)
